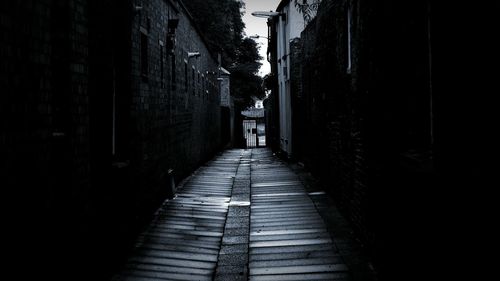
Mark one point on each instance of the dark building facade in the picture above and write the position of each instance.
(368, 107)
(103, 102)
(271, 84)
(375, 118)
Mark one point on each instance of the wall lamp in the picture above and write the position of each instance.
(270, 14)
(193, 54)
(256, 36)
(136, 9)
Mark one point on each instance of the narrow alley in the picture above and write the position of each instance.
(245, 215)
(247, 139)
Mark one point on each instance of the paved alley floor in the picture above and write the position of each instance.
(245, 215)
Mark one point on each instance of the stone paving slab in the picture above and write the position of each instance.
(179, 248)
(269, 257)
(245, 215)
(302, 277)
(168, 269)
(294, 262)
(281, 237)
(185, 238)
(286, 228)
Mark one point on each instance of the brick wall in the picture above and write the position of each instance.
(172, 128)
(44, 139)
(87, 137)
(164, 117)
(366, 124)
(45, 101)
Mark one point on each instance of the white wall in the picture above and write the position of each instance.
(287, 30)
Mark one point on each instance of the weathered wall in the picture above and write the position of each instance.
(86, 138)
(173, 126)
(367, 126)
(44, 143)
(44, 96)
(271, 104)
(297, 99)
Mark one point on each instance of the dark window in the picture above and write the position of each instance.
(173, 74)
(144, 55)
(203, 88)
(193, 81)
(349, 58)
(162, 71)
(185, 77)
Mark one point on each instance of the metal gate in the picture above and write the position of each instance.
(250, 132)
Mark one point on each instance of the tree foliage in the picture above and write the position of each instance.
(221, 23)
(246, 84)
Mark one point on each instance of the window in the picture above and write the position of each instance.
(144, 55)
(185, 76)
(349, 14)
(193, 80)
(162, 62)
(199, 83)
(173, 74)
(284, 46)
(203, 85)
(170, 40)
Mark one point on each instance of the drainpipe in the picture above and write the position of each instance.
(431, 98)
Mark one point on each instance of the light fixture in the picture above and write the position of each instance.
(193, 54)
(256, 36)
(136, 9)
(264, 14)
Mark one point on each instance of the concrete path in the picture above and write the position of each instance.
(245, 215)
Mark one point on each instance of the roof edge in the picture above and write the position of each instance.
(282, 4)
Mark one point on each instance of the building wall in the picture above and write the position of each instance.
(174, 127)
(44, 132)
(271, 104)
(288, 28)
(227, 114)
(296, 98)
(45, 103)
(87, 140)
(225, 96)
(368, 123)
